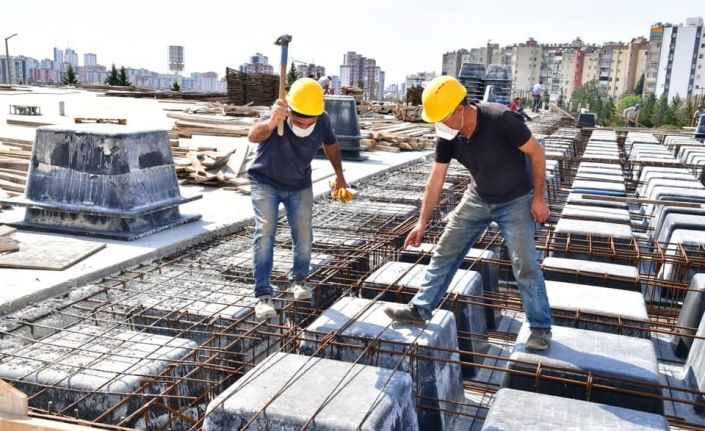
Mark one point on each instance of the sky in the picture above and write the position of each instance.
(404, 36)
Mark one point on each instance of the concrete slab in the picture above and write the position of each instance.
(361, 322)
(223, 212)
(465, 299)
(694, 370)
(338, 396)
(596, 229)
(514, 410)
(598, 308)
(96, 367)
(577, 198)
(674, 221)
(618, 361)
(586, 186)
(593, 273)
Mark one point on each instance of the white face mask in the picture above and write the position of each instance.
(298, 131)
(448, 133)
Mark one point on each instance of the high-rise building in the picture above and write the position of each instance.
(58, 58)
(90, 59)
(311, 70)
(636, 62)
(679, 48)
(419, 79)
(259, 63)
(362, 72)
(526, 65)
(71, 57)
(453, 61)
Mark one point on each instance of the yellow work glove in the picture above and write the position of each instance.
(342, 194)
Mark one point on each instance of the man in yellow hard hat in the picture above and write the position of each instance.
(495, 145)
(281, 174)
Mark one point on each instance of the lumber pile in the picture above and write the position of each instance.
(251, 88)
(15, 155)
(408, 113)
(226, 109)
(355, 92)
(394, 136)
(413, 95)
(187, 125)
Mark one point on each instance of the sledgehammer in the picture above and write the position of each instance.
(283, 41)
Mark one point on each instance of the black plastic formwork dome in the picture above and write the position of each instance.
(472, 76)
(342, 111)
(499, 76)
(102, 180)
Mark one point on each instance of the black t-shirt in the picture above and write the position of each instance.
(500, 170)
(284, 162)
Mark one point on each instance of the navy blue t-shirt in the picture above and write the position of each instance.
(284, 162)
(501, 171)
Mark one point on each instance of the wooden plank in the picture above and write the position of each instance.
(6, 230)
(12, 401)
(8, 244)
(50, 254)
(24, 423)
(386, 148)
(10, 186)
(25, 123)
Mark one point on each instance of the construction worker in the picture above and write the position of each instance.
(536, 93)
(281, 174)
(516, 107)
(696, 116)
(631, 115)
(493, 143)
(325, 83)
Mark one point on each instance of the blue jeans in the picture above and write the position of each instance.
(469, 220)
(299, 208)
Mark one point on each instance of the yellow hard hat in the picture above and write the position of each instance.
(306, 97)
(441, 97)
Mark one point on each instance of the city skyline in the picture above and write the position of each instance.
(382, 31)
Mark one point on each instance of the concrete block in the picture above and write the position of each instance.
(661, 212)
(593, 273)
(690, 315)
(478, 260)
(605, 308)
(465, 299)
(342, 397)
(598, 187)
(608, 357)
(608, 242)
(514, 410)
(577, 198)
(361, 322)
(684, 243)
(382, 209)
(98, 365)
(695, 367)
(675, 221)
(596, 213)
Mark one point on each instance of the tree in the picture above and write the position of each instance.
(606, 113)
(122, 78)
(627, 101)
(561, 100)
(293, 75)
(677, 110)
(112, 78)
(70, 77)
(648, 106)
(639, 88)
(587, 96)
(175, 86)
(662, 113)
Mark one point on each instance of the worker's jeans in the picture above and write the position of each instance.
(468, 221)
(537, 104)
(299, 207)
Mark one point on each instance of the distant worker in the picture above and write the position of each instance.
(494, 144)
(536, 93)
(631, 115)
(281, 174)
(516, 107)
(697, 115)
(325, 83)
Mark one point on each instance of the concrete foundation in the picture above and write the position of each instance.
(514, 410)
(469, 312)
(97, 368)
(361, 322)
(337, 395)
(608, 357)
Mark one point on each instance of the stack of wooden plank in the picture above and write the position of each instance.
(393, 136)
(188, 124)
(14, 165)
(413, 95)
(355, 92)
(251, 88)
(214, 161)
(408, 113)
(7, 244)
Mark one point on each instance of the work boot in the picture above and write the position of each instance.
(539, 339)
(404, 313)
(264, 309)
(301, 291)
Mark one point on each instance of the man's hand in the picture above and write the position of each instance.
(279, 112)
(539, 209)
(415, 236)
(340, 183)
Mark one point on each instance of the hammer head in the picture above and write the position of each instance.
(283, 40)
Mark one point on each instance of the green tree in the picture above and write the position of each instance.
(677, 110)
(639, 88)
(122, 78)
(293, 74)
(587, 96)
(561, 100)
(648, 106)
(662, 113)
(175, 86)
(607, 114)
(70, 77)
(112, 78)
(627, 101)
